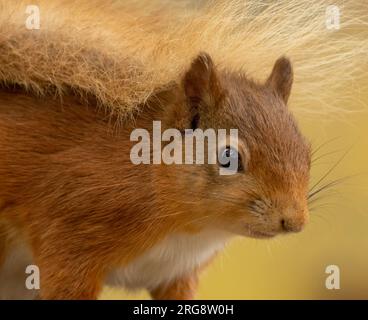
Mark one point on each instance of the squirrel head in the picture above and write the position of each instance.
(268, 194)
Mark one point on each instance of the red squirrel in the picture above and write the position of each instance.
(89, 216)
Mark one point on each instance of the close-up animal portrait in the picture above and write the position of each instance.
(183, 150)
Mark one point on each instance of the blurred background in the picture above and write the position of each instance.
(293, 266)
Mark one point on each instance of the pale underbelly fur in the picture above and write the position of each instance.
(175, 256)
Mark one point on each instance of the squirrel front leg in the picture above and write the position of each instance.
(69, 279)
(68, 270)
(183, 288)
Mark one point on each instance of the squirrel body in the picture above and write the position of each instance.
(172, 258)
(71, 191)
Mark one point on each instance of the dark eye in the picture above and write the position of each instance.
(229, 157)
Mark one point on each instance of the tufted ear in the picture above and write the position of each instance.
(281, 78)
(201, 85)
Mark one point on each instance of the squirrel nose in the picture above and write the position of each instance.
(289, 225)
(294, 219)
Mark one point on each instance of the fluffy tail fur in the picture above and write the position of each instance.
(120, 52)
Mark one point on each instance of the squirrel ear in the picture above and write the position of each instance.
(200, 82)
(281, 78)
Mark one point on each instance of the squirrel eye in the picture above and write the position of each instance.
(229, 155)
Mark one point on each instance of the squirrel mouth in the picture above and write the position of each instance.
(261, 235)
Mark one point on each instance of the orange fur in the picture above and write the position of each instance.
(69, 187)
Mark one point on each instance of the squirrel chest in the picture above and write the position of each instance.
(175, 256)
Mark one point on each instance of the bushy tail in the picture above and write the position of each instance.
(122, 51)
